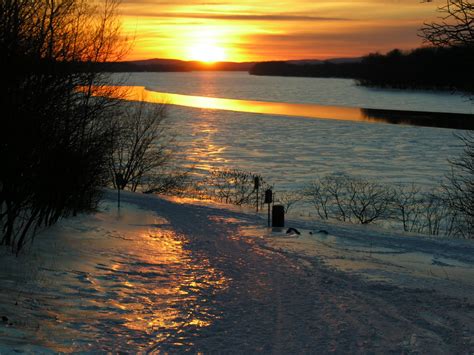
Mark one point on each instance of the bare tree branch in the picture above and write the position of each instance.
(455, 26)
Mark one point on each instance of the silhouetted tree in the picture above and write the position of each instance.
(141, 145)
(460, 187)
(407, 205)
(455, 27)
(54, 139)
(349, 199)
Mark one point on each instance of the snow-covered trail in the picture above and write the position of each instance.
(178, 277)
(285, 303)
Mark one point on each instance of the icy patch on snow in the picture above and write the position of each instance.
(105, 282)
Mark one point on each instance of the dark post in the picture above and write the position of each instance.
(118, 183)
(278, 216)
(256, 187)
(269, 215)
(268, 200)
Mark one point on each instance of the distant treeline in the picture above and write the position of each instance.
(427, 68)
(162, 65)
(129, 67)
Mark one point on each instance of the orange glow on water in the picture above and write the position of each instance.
(428, 119)
(139, 93)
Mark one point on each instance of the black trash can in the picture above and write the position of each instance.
(278, 216)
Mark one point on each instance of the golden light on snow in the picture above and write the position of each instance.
(146, 288)
(173, 294)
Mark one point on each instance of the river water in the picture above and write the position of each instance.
(219, 123)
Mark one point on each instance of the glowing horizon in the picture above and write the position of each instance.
(255, 31)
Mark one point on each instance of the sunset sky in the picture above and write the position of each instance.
(247, 30)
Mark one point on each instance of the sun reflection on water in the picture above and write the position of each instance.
(430, 119)
(140, 93)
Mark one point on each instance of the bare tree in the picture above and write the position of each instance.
(437, 217)
(172, 181)
(348, 199)
(320, 196)
(455, 26)
(460, 186)
(54, 139)
(407, 205)
(288, 198)
(337, 187)
(368, 201)
(142, 145)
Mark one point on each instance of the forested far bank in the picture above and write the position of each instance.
(171, 65)
(423, 68)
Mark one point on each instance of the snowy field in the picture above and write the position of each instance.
(165, 275)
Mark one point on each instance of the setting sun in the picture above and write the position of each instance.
(246, 30)
(207, 52)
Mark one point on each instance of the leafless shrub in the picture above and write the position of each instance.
(288, 199)
(459, 187)
(407, 206)
(368, 201)
(437, 217)
(175, 182)
(233, 186)
(426, 212)
(337, 187)
(319, 194)
(348, 199)
(142, 145)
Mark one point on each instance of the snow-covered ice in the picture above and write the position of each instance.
(289, 152)
(168, 275)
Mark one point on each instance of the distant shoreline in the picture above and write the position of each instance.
(438, 69)
(171, 65)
